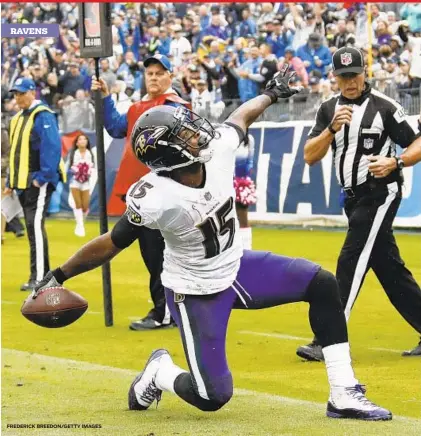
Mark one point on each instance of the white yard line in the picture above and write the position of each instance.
(9, 302)
(298, 338)
(275, 335)
(386, 349)
(88, 366)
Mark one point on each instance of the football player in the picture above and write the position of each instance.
(189, 196)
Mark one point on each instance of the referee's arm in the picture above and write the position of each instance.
(408, 138)
(323, 132)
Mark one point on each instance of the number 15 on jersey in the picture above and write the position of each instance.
(211, 230)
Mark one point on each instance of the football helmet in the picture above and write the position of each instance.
(161, 137)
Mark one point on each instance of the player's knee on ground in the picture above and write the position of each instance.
(324, 286)
(217, 396)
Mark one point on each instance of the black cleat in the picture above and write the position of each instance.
(311, 352)
(149, 323)
(414, 352)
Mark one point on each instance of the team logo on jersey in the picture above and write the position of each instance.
(179, 298)
(368, 143)
(208, 196)
(346, 59)
(133, 216)
(149, 139)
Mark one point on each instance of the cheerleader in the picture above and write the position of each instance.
(81, 163)
(244, 187)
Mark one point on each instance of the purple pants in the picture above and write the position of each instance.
(264, 280)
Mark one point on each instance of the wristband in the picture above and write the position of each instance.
(399, 163)
(331, 129)
(59, 275)
(272, 95)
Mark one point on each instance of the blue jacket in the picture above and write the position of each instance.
(279, 43)
(46, 139)
(307, 54)
(248, 88)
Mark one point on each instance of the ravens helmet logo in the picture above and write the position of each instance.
(148, 139)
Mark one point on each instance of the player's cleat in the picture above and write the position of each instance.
(149, 323)
(414, 352)
(29, 286)
(312, 352)
(351, 403)
(143, 391)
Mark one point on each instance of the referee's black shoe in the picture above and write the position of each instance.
(414, 352)
(311, 352)
(29, 286)
(150, 323)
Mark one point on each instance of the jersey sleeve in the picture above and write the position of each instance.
(400, 130)
(143, 204)
(228, 136)
(320, 123)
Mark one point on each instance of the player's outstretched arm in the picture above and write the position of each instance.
(92, 255)
(276, 89)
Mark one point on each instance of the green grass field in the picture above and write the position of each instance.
(80, 374)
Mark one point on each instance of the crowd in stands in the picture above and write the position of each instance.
(221, 53)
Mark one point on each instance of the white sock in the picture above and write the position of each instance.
(78, 216)
(166, 375)
(246, 236)
(338, 365)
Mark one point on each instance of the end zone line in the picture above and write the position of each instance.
(88, 366)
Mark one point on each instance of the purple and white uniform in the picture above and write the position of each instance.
(206, 274)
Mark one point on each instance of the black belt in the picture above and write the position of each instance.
(367, 187)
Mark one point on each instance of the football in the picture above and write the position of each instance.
(54, 307)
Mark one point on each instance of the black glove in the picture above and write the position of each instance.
(278, 86)
(49, 281)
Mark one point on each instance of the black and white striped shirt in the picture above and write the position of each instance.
(378, 123)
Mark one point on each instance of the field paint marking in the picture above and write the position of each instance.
(9, 302)
(275, 335)
(296, 338)
(386, 349)
(90, 312)
(88, 366)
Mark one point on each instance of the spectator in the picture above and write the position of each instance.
(77, 113)
(315, 55)
(280, 39)
(249, 88)
(179, 45)
(71, 81)
(296, 64)
(412, 13)
(106, 73)
(382, 33)
(340, 38)
(247, 26)
(165, 42)
(215, 28)
(204, 16)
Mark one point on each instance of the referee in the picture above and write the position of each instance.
(363, 125)
(34, 170)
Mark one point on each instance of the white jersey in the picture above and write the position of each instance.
(200, 227)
